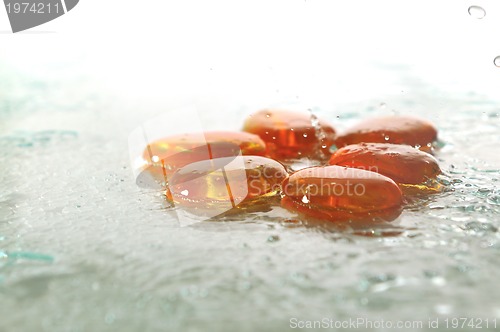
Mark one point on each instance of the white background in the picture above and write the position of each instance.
(268, 50)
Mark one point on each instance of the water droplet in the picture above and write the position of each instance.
(477, 12)
(386, 138)
(323, 146)
(305, 135)
(274, 137)
(438, 281)
(480, 227)
(155, 159)
(185, 192)
(493, 198)
(496, 61)
(314, 119)
(305, 200)
(109, 318)
(417, 146)
(273, 238)
(443, 309)
(268, 115)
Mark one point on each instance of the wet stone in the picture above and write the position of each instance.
(291, 134)
(212, 187)
(163, 157)
(407, 130)
(336, 193)
(402, 163)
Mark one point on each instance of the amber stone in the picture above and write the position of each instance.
(407, 130)
(291, 134)
(402, 163)
(212, 187)
(336, 193)
(168, 154)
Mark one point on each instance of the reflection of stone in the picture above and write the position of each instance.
(27, 14)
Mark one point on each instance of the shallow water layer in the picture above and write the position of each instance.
(82, 248)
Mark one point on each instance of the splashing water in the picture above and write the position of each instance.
(318, 131)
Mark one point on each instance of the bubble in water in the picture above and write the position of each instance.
(477, 12)
(496, 61)
(273, 238)
(314, 120)
(443, 309)
(480, 227)
(109, 318)
(493, 198)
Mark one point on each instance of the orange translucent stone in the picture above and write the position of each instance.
(212, 187)
(338, 193)
(290, 135)
(391, 129)
(402, 163)
(168, 154)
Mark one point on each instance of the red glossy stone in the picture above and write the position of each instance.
(401, 163)
(290, 135)
(168, 154)
(212, 187)
(391, 129)
(338, 193)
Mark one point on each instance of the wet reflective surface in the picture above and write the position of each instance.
(83, 248)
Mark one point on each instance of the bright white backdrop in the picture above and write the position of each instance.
(267, 50)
